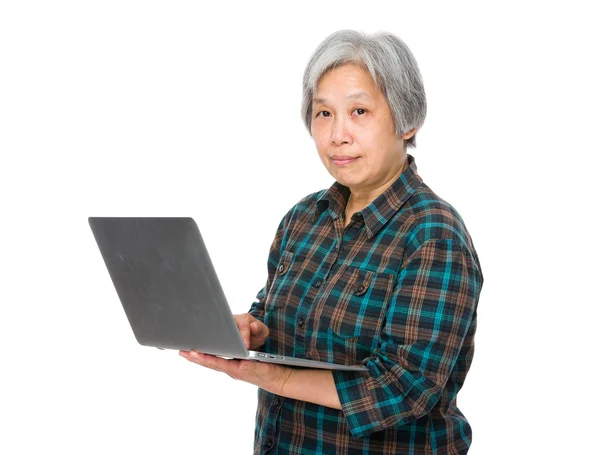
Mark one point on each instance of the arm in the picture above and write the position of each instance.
(257, 309)
(314, 386)
(428, 318)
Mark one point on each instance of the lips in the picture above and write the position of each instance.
(341, 160)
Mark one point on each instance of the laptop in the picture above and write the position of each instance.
(170, 291)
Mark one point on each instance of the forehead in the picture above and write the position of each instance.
(350, 81)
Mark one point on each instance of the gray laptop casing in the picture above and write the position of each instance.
(170, 291)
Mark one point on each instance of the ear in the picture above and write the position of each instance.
(410, 134)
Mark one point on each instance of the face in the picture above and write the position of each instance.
(353, 130)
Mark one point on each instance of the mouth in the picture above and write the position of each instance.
(341, 160)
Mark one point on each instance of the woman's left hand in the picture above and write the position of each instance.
(267, 376)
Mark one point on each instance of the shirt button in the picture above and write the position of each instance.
(269, 444)
(301, 322)
(360, 289)
(318, 284)
(281, 268)
(276, 402)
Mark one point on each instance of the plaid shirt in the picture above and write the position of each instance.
(397, 290)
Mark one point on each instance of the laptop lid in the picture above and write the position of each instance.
(167, 284)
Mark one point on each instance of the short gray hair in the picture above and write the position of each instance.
(390, 63)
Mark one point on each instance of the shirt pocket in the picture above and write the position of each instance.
(359, 301)
(285, 280)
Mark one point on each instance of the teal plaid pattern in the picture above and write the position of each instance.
(397, 291)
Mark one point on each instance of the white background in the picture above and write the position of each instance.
(175, 108)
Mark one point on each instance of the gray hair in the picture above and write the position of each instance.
(390, 63)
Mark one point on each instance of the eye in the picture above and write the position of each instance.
(360, 111)
(325, 114)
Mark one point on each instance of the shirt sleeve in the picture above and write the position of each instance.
(257, 309)
(429, 314)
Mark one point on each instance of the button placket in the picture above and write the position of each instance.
(271, 434)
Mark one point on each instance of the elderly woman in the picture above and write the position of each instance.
(375, 270)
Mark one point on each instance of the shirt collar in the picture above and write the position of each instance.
(381, 210)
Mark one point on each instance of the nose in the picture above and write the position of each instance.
(341, 133)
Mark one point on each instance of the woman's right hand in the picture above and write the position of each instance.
(254, 332)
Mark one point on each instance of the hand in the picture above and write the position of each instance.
(267, 376)
(254, 332)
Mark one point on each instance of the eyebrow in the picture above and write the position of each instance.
(351, 96)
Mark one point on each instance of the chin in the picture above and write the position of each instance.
(350, 183)
(345, 178)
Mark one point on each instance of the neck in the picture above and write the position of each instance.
(359, 199)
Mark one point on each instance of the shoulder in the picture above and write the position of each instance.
(305, 207)
(431, 219)
(300, 213)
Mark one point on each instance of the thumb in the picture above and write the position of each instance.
(245, 330)
(257, 328)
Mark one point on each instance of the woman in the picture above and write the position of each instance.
(376, 270)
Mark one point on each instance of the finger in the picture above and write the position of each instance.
(245, 330)
(187, 355)
(259, 329)
(255, 328)
(201, 359)
(230, 367)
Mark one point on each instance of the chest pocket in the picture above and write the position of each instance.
(358, 302)
(285, 280)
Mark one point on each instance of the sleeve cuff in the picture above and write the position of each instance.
(257, 313)
(356, 398)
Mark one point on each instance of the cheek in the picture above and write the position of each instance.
(323, 157)
(317, 132)
(319, 140)
(368, 141)
(375, 140)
